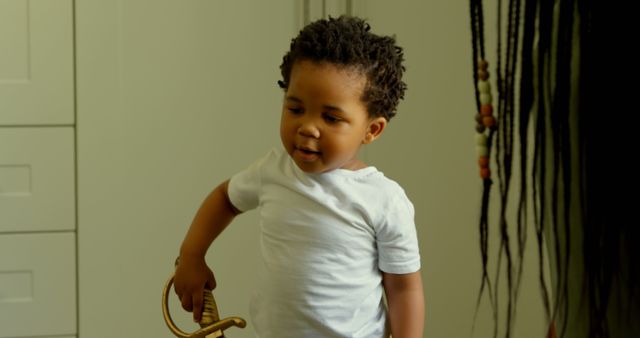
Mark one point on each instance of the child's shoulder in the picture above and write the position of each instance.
(375, 185)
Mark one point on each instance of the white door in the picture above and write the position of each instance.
(36, 62)
(37, 170)
(173, 97)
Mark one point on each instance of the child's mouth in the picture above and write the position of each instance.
(307, 154)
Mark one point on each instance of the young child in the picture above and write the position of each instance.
(335, 233)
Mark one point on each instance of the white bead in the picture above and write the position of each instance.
(481, 139)
(485, 98)
(484, 87)
(482, 150)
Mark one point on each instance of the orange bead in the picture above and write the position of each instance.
(483, 64)
(485, 173)
(486, 109)
(483, 75)
(489, 121)
(483, 161)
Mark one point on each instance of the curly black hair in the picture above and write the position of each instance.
(347, 42)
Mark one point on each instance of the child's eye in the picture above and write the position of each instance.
(295, 111)
(331, 118)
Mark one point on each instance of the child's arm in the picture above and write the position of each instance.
(406, 304)
(192, 273)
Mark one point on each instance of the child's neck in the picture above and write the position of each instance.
(354, 165)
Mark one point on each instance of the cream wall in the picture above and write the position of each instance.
(174, 97)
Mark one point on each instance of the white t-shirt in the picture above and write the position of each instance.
(325, 238)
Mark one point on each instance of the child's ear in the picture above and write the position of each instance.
(375, 129)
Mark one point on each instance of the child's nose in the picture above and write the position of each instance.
(309, 128)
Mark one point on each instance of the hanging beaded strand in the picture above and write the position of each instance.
(485, 127)
(484, 119)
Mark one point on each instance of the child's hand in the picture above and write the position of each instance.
(191, 277)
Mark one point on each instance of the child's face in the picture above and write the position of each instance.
(324, 122)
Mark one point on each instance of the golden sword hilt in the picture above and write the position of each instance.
(210, 324)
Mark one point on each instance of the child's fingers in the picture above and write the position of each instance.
(197, 306)
(186, 302)
(211, 283)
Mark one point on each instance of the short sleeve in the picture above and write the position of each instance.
(244, 187)
(397, 239)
